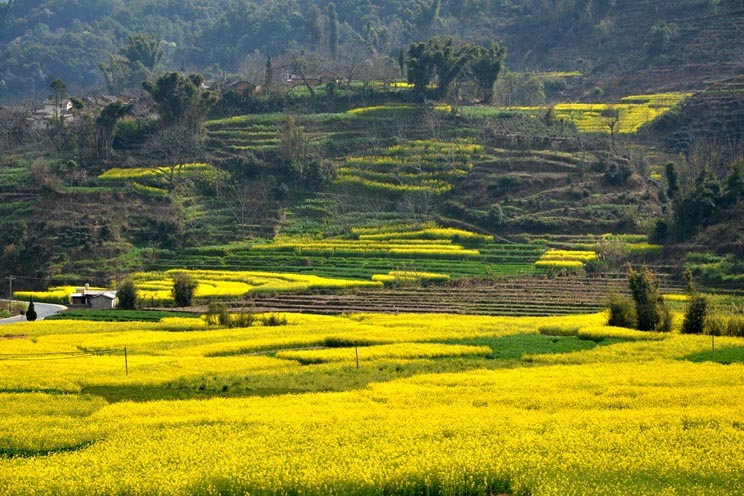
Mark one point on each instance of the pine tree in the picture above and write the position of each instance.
(31, 311)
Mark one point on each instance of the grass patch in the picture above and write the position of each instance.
(513, 347)
(724, 355)
(118, 315)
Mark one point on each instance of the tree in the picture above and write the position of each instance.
(31, 311)
(611, 117)
(181, 100)
(423, 19)
(144, 49)
(402, 62)
(644, 289)
(217, 314)
(314, 26)
(697, 308)
(106, 126)
(420, 68)
(127, 294)
(450, 61)
(135, 62)
(332, 30)
(59, 89)
(622, 312)
(302, 65)
(119, 74)
(696, 207)
(672, 180)
(661, 34)
(486, 66)
(437, 58)
(184, 287)
(268, 74)
(353, 63)
(293, 145)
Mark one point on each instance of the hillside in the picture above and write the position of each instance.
(287, 178)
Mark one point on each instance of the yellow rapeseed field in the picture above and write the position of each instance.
(630, 416)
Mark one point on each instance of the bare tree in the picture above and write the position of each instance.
(417, 206)
(172, 147)
(353, 62)
(11, 128)
(612, 122)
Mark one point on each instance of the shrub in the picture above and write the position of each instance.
(557, 330)
(31, 312)
(184, 287)
(722, 324)
(273, 320)
(217, 314)
(127, 295)
(244, 319)
(694, 322)
(644, 290)
(622, 312)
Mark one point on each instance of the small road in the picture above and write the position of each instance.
(43, 310)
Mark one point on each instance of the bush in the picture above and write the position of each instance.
(127, 295)
(722, 324)
(184, 287)
(694, 322)
(622, 312)
(273, 320)
(648, 303)
(245, 319)
(217, 314)
(31, 312)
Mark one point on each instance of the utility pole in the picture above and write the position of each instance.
(10, 298)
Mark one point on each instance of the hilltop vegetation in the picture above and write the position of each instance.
(624, 44)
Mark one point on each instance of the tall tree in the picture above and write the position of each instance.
(332, 30)
(423, 19)
(438, 59)
(106, 126)
(420, 68)
(486, 66)
(181, 100)
(145, 49)
(59, 89)
(644, 290)
(135, 62)
(268, 74)
(314, 26)
(450, 61)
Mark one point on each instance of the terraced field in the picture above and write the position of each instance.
(363, 257)
(535, 296)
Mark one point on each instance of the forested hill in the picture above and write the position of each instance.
(656, 42)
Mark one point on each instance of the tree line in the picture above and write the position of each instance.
(78, 42)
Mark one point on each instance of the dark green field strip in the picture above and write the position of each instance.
(119, 315)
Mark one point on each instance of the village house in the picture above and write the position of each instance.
(95, 299)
